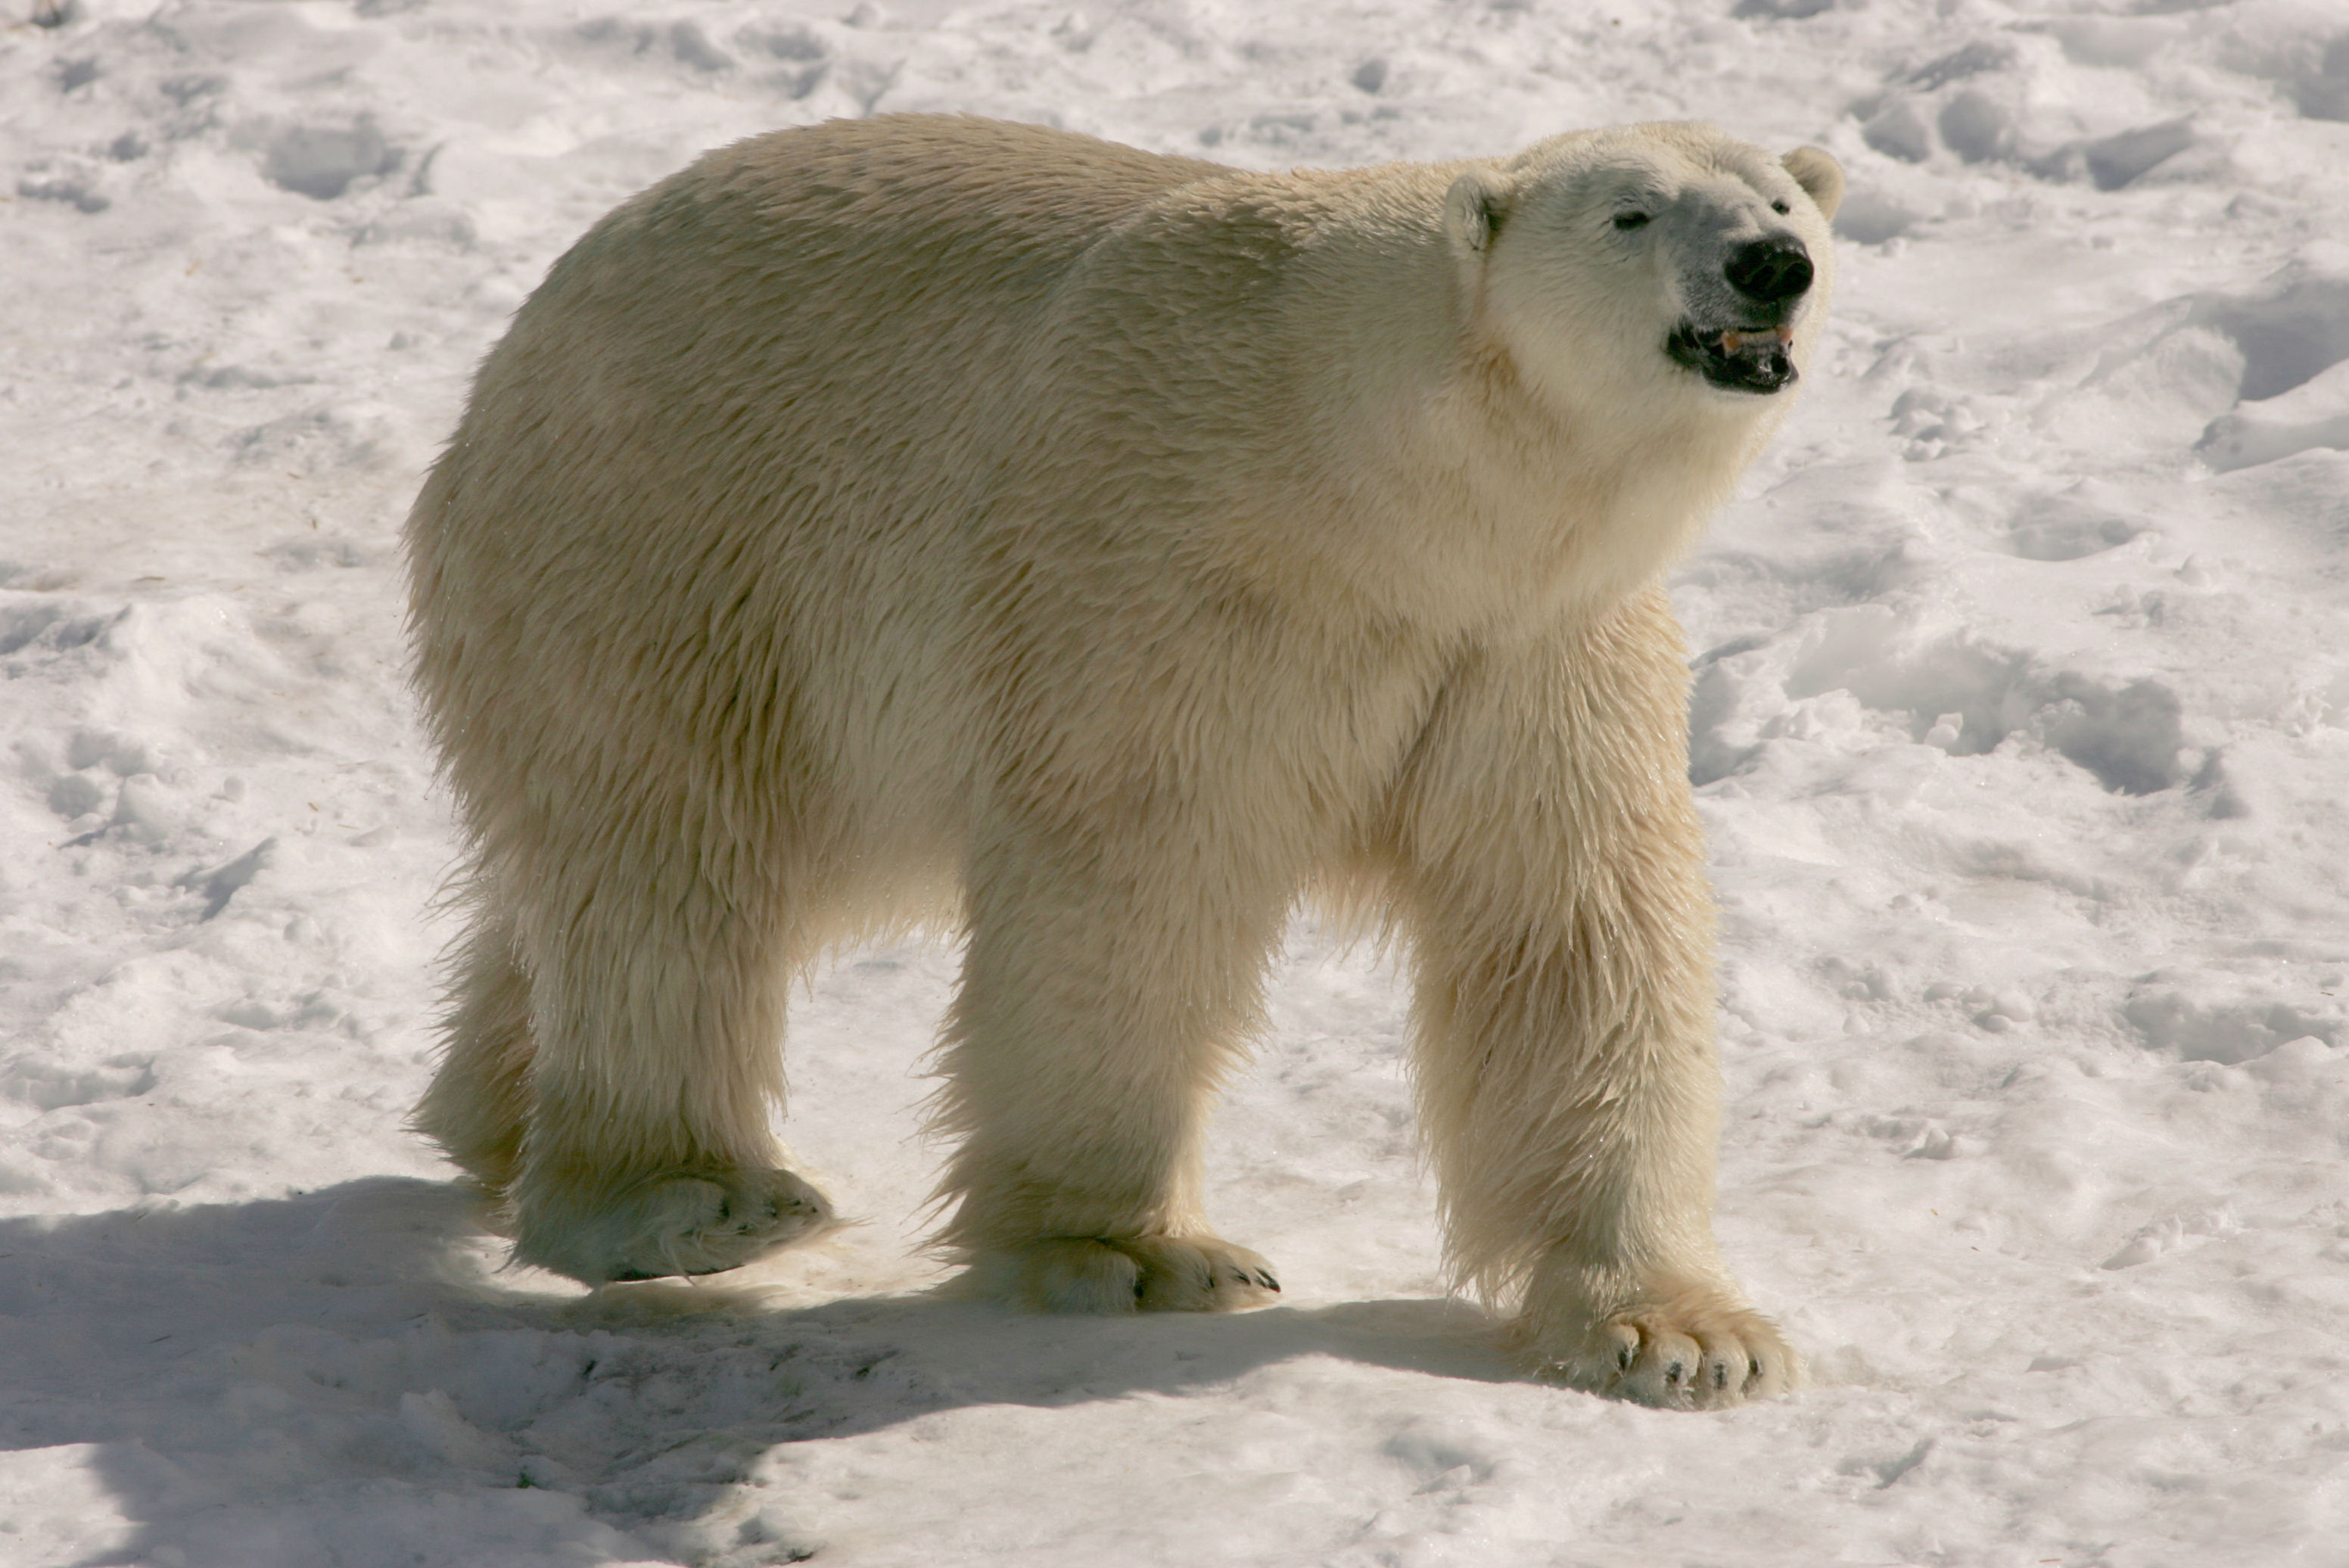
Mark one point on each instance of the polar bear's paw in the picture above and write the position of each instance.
(1695, 1351)
(1139, 1273)
(676, 1223)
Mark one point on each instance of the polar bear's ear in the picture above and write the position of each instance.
(1819, 175)
(1472, 209)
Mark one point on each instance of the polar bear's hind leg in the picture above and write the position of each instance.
(479, 1105)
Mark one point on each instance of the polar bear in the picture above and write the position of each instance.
(1097, 552)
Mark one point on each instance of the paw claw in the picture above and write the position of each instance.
(1690, 1350)
(669, 1224)
(1146, 1273)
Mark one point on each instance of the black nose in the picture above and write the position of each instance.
(1770, 271)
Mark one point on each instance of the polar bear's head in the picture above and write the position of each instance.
(1651, 260)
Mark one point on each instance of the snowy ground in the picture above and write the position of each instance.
(2022, 717)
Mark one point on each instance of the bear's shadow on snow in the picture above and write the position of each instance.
(354, 1301)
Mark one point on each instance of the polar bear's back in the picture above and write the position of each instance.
(812, 272)
(795, 334)
(758, 395)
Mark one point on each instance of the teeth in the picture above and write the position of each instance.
(1735, 342)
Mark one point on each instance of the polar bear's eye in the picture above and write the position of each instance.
(1630, 219)
(1780, 207)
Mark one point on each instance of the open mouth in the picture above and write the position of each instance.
(1738, 359)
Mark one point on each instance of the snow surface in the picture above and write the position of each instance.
(2022, 711)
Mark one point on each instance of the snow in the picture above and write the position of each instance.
(2022, 706)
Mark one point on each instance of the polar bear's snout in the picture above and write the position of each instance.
(1772, 273)
(1741, 338)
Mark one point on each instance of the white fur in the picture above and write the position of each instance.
(929, 518)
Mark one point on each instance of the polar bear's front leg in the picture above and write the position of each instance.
(1551, 873)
